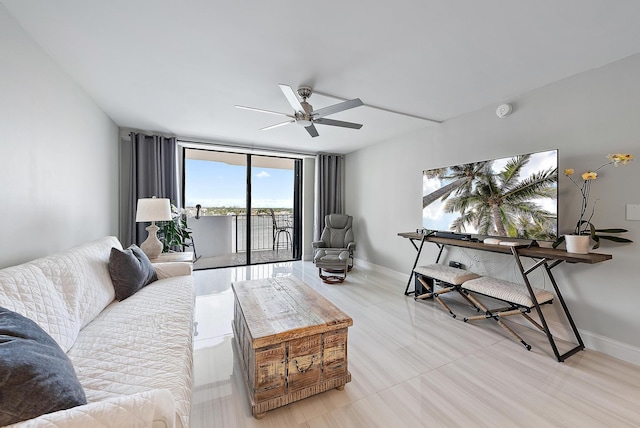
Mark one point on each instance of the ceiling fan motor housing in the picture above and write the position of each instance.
(304, 114)
(304, 118)
(304, 92)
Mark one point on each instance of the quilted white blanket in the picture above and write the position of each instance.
(133, 358)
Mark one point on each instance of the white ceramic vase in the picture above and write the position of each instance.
(578, 244)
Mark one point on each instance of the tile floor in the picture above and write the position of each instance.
(412, 366)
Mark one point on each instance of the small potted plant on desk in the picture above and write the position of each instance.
(585, 231)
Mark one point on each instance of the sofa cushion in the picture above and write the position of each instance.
(130, 270)
(142, 343)
(36, 376)
(26, 290)
(81, 275)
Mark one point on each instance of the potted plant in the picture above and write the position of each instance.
(174, 233)
(585, 231)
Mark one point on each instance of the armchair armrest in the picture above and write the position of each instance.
(319, 254)
(340, 253)
(351, 246)
(318, 244)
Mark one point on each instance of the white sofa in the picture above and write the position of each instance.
(133, 358)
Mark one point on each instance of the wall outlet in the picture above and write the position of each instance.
(633, 212)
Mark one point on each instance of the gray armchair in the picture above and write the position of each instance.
(334, 251)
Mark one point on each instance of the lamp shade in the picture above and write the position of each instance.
(153, 209)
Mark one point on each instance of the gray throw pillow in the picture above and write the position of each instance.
(36, 376)
(130, 270)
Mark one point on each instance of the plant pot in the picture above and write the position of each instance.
(578, 244)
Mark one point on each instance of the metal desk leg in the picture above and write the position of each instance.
(580, 345)
(415, 263)
(546, 329)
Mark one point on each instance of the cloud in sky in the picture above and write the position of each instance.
(262, 174)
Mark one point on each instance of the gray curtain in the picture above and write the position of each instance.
(329, 189)
(153, 172)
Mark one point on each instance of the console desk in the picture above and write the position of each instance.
(547, 258)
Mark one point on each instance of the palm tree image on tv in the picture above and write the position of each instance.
(458, 177)
(512, 197)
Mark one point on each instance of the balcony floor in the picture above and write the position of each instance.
(240, 259)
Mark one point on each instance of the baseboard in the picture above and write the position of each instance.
(611, 347)
(381, 269)
(593, 341)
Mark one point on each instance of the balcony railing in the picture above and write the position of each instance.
(218, 235)
(261, 231)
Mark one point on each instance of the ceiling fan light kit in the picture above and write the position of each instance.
(304, 115)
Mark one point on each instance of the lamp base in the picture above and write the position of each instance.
(152, 246)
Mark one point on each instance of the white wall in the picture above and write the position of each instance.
(585, 117)
(58, 155)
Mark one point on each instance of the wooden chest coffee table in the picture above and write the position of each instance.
(291, 341)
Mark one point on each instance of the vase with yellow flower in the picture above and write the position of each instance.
(585, 231)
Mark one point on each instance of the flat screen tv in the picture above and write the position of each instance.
(512, 197)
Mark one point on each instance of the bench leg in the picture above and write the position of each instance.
(444, 306)
(431, 294)
(436, 295)
(477, 304)
(514, 334)
(534, 322)
(441, 302)
(426, 286)
(496, 317)
(464, 294)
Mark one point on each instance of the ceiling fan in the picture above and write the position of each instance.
(305, 115)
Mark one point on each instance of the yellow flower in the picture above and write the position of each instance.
(620, 158)
(584, 226)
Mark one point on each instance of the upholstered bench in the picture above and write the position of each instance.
(517, 297)
(451, 279)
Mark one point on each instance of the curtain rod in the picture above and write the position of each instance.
(218, 144)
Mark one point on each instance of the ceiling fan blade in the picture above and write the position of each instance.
(265, 111)
(346, 105)
(291, 97)
(312, 130)
(277, 125)
(340, 123)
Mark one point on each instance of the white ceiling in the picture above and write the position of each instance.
(179, 66)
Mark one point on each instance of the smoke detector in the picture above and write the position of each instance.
(504, 110)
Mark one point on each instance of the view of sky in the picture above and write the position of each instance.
(433, 215)
(217, 184)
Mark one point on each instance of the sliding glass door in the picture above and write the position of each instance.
(242, 208)
(272, 208)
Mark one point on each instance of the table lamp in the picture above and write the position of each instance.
(153, 209)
